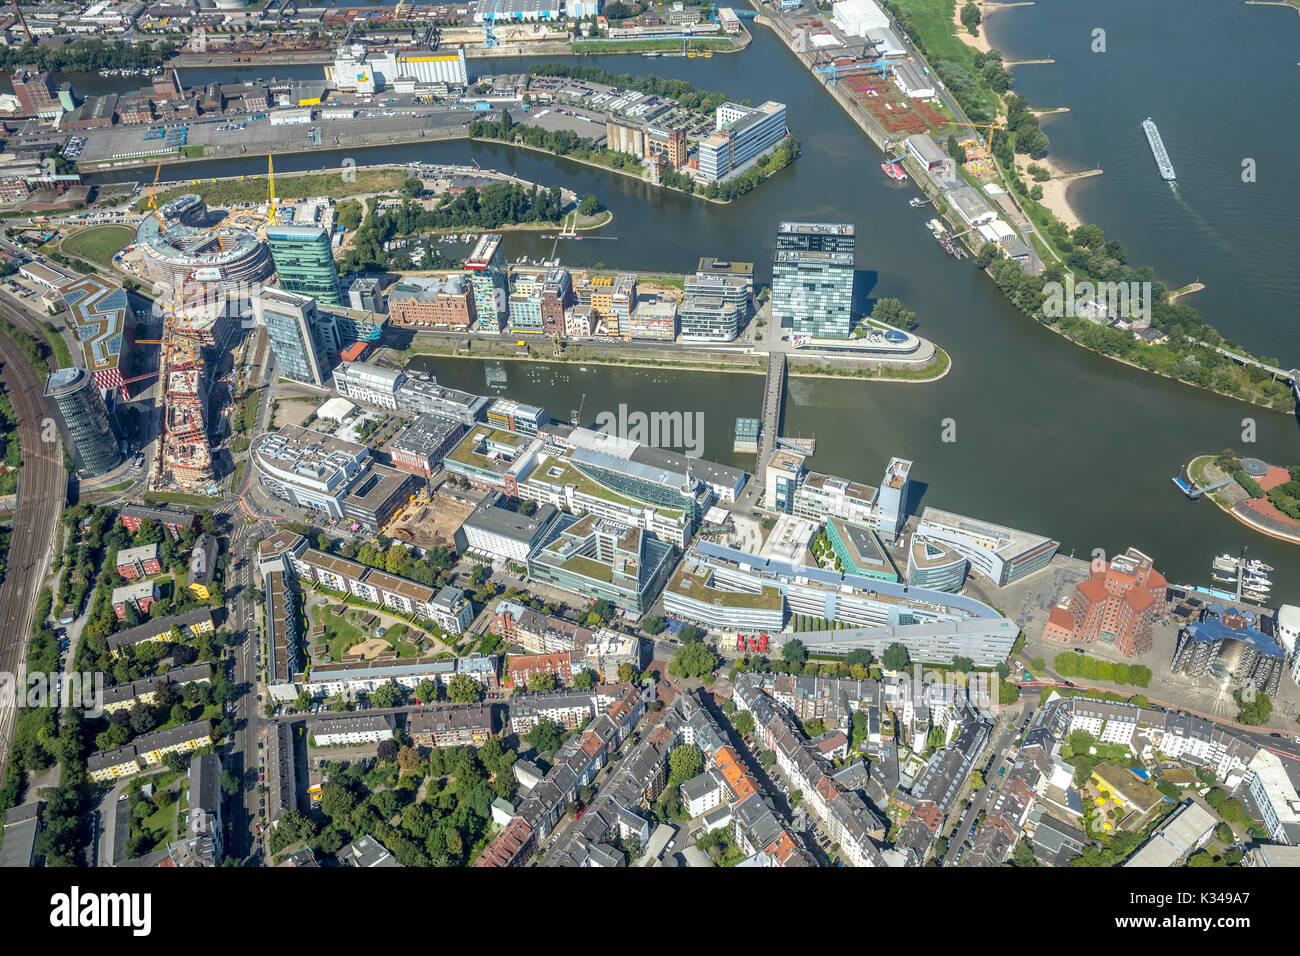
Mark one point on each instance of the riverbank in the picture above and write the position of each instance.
(1255, 513)
(745, 362)
(1056, 190)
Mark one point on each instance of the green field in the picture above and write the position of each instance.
(98, 243)
(253, 188)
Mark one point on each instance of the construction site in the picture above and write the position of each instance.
(201, 272)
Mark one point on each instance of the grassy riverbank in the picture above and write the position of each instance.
(751, 363)
(1083, 253)
(228, 192)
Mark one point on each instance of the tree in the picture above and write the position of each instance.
(541, 682)
(693, 660)
(859, 657)
(463, 689)
(987, 253)
(336, 801)
(589, 205)
(229, 783)
(895, 657)
(544, 736)
(976, 780)
(685, 762)
(627, 672)
(1256, 708)
(1023, 855)
(387, 751)
(583, 679)
(408, 759)
(891, 312)
(970, 17)
(744, 723)
(413, 187)
(654, 624)
(426, 691)
(793, 653)
(386, 695)
(963, 664)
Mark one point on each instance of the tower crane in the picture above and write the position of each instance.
(153, 203)
(270, 189)
(989, 126)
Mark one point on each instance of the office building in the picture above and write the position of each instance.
(308, 469)
(1000, 554)
(303, 339)
(376, 496)
(371, 384)
(500, 532)
(426, 302)
(742, 134)
(304, 262)
(891, 499)
(1228, 641)
(859, 550)
(84, 421)
(812, 278)
(556, 296)
(526, 306)
(98, 313)
(654, 320)
(489, 281)
(517, 417)
(1116, 605)
(603, 559)
(722, 587)
(494, 459)
(421, 445)
(713, 309)
(935, 566)
(363, 295)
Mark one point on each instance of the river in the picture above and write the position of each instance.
(1049, 438)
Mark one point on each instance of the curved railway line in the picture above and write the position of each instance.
(41, 491)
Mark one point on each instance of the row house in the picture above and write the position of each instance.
(534, 631)
(467, 726)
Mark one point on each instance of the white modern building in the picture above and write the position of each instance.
(370, 384)
(349, 731)
(856, 17)
(1275, 796)
(1001, 554)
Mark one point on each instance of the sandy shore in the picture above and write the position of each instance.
(980, 42)
(1056, 191)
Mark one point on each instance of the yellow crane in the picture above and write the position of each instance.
(153, 203)
(989, 126)
(270, 189)
(402, 9)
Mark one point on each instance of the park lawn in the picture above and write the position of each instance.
(98, 243)
(287, 186)
(395, 636)
(340, 633)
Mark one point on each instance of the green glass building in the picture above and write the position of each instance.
(304, 262)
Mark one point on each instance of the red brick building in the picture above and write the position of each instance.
(138, 562)
(1117, 604)
(519, 669)
(173, 519)
(140, 596)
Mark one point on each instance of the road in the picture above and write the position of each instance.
(1010, 722)
(42, 484)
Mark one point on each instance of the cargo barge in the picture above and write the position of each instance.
(1158, 150)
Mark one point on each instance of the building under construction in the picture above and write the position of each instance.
(184, 456)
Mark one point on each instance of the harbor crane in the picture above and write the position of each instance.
(489, 24)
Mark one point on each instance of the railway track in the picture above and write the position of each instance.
(42, 485)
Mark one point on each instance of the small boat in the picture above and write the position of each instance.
(894, 170)
(1256, 564)
(1225, 562)
(1223, 578)
(916, 202)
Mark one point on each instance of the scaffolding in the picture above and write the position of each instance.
(186, 457)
